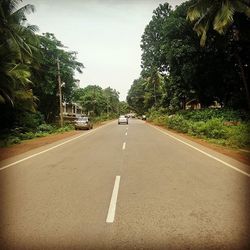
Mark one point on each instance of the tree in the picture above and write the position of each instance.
(123, 108)
(97, 101)
(221, 15)
(93, 100)
(112, 100)
(18, 43)
(154, 87)
(136, 96)
(45, 77)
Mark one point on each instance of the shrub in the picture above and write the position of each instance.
(45, 127)
(178, 123)
(209, 124)
(214, 128)
(27, 136)
(29, 121)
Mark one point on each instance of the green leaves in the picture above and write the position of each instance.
(97, 101)
(219, 14)
(18, 44)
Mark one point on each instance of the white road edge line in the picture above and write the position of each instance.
(124, 146)
(203, 152)
(44, 151)
(112, 206)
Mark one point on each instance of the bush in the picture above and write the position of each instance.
(29, 121)
(9, 141)
(27, 136)
(209, 124)
(65, 129)
(214, 128)
(178, 123)
(208, 114)
(45, 128)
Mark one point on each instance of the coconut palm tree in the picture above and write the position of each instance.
(18, 43)
(217, 13)
(220, 14)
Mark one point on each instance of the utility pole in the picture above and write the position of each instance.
(107, 106)
(60, 92)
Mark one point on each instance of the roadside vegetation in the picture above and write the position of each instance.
(225, 127)
(195, 70)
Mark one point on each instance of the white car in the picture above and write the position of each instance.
(122, 119)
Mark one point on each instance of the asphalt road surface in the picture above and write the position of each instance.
(124, 187)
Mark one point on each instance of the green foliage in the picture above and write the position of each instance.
(178, 123)
(209, 124)
(213, 73)
(45, 77)
(207, 114)
(123, 107)
(219, 14)
(28, 121)
(45, 127)
(18, 134)
(97, 101)
(18, 46)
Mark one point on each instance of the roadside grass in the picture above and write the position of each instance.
(224, 127)
(15, 136)
(9, 137)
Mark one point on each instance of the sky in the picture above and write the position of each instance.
(105, 33)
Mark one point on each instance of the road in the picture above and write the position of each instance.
(124, 187)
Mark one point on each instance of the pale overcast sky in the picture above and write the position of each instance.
(105, 33)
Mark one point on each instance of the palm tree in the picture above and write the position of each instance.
(218, 13)
(18, 43)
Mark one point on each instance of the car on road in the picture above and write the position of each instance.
(122, 119)
(83, 123)
(144, 117)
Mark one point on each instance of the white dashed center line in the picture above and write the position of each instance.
(112, 206)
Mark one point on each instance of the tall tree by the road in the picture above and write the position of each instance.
(112, 100)
(223, 15)
(136, 96)
(190, 72)
(154, 87)
(92, 99)
(45, 78)
(153, 41)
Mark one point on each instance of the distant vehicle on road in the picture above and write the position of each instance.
(83, 123)
(122, 119)
(143, 117)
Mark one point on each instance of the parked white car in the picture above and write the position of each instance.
(122, 119)
(83, 123)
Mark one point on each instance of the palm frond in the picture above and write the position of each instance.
(224, 17)
(197, 10)
(242, 7)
